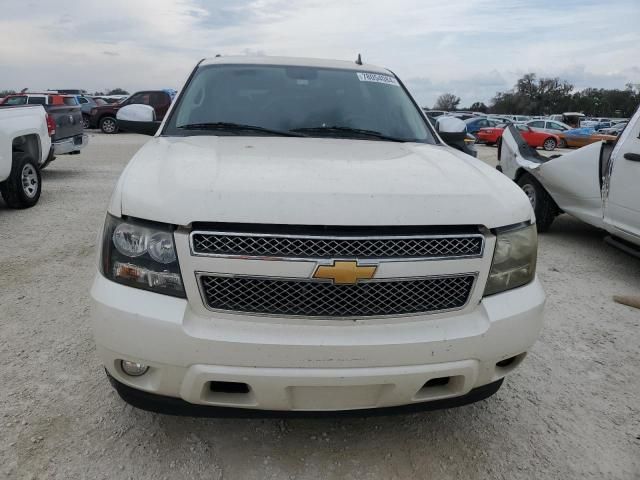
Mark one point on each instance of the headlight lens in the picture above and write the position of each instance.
(141, 255)
(514, 259)
(161, 247)
(130, 240)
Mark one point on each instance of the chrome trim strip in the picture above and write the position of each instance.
(330, 237)
(366, 317)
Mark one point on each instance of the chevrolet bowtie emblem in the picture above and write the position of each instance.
(344, 273)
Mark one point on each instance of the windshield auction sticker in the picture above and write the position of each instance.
(377, 78)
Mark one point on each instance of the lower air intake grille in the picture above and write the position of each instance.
(286, 297)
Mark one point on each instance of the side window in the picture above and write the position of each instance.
(555, 126)
(160, 99)
(483, 123)
(142, 97)
(537, 124)
(16, 100)
(82, 100)
(36, 101)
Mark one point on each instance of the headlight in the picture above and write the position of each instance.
(514, 259)
(141, 255)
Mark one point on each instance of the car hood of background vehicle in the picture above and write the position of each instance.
(313, 181)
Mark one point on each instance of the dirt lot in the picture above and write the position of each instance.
(571, 411)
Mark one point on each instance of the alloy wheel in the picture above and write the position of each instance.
(29, 180)
(108, 126)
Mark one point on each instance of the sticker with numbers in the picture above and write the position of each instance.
(377, 78)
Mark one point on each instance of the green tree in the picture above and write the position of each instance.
(533, 96)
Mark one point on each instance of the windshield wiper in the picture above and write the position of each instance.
(237, 127)
(356, 131)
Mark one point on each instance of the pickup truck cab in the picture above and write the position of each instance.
(297, 237)
(24, 146)
(597, 184)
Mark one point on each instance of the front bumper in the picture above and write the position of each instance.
(71, 144)
(310, 366)
(176, 406)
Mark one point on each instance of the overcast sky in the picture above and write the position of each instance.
(472, 48)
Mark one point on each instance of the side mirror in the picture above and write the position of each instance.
(138, 118)
(451, 129)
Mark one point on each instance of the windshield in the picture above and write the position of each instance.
(315, 102)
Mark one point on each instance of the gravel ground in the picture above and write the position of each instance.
(571, 411)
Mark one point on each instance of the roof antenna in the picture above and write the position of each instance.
(218, 55)
(359, 60)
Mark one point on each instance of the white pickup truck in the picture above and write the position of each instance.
(599, 183)
(297, 237)
(25, 144)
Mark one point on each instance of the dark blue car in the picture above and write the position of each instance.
(476, 123)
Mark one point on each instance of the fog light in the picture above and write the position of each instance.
(132, 368)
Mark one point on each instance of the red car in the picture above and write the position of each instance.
(492, 135)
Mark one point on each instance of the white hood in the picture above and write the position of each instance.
(308, 181)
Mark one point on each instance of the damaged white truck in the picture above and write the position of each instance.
(598, 184)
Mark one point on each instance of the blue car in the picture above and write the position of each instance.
(476, 123)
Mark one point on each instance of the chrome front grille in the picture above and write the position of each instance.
(322, 247)
(309, 298)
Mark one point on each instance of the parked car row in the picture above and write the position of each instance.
(96, 111)
(567, 130)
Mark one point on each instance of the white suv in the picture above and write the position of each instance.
(297, 237)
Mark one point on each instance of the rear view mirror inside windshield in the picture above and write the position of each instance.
(302, 73)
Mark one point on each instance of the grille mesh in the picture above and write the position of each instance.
(320, 299)
(319, 247)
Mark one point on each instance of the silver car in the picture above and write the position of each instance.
(550, 126)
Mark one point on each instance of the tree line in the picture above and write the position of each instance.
(544, 96)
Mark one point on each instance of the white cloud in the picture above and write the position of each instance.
(470, 47)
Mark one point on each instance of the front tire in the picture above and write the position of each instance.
(543, 205)
(85, 122)
(109, 125)
(549, 144)
(23, 187)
